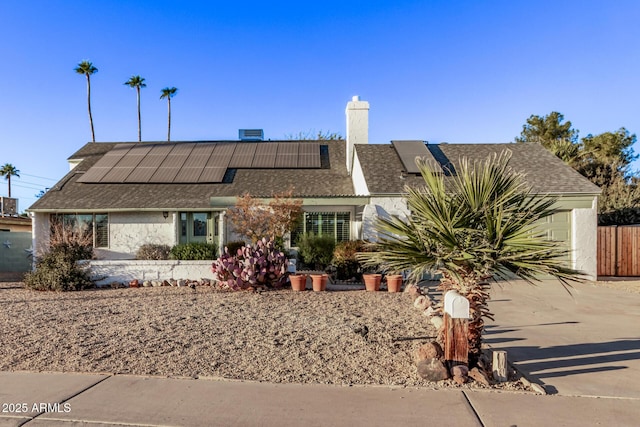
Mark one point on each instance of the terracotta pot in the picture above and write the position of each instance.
(298, 282)
(319, 282)
(372, 282)
(394, 282)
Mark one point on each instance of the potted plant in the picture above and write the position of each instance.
(394, 282)
(372, 281)
(319, 282)
(298, 282)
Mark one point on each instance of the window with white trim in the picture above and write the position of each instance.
(333, 224)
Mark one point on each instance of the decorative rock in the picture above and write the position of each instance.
(479, 376)
(115, 285)
(422, 302)
(460, 371)
(182, 282)
(432, 370)
(156, 283)
(460, 380)
(146, 283)
(430, 350)
(429, 312)
(165, 283)
(437, 322)
(134, 283)
(538, 388)
(413, 291)
(173, 282)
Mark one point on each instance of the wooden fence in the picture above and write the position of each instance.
(619, 250)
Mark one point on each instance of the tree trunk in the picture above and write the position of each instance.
(139, 120)
(169, 127)
(9, 183)
(93, 135)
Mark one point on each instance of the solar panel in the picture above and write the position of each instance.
(141, 174)
(309, 155)
(287, 156)
(94, 174)
(164, 175)
(212, 174)
(117, 174)
(200, 155)
(265, 157)
(409, 150)
(188, 174)
(243, 155)
(221, 155)
(197, 162)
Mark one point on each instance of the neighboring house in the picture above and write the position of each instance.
(130, 194)
(15, 247)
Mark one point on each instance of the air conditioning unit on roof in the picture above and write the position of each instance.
(251, 135)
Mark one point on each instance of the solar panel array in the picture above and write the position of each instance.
(409, 151)
(200, 162)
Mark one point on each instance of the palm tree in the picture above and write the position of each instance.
(169, 92)
(87, 68)
(480, 226)
(7, 171)
(137, 82)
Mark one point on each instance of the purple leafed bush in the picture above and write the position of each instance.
(258, 265)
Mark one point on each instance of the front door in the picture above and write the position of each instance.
(198, 227)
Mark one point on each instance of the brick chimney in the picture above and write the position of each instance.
(357, 113)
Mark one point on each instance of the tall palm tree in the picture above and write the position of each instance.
(137, 82)
(7, 171)
(87, 68)
(169, 92)
(480, 226)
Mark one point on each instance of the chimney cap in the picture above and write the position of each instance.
(355, 98)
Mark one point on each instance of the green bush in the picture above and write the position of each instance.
(152, 251)
(57, 270)
(344, 259)
(316, 251)
(195, 251)
(233, 246)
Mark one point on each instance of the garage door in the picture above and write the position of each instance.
(558, 227)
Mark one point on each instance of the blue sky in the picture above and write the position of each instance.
(456, 71)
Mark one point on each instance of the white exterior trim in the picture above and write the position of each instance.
(584, 241)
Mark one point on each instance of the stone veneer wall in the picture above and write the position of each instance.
(108, 271)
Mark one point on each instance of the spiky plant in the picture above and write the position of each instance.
(480, 225)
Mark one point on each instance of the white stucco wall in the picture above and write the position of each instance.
(123, 271)
(381, 207)
(130, 230)
(357, 177)
(584, 242)
(40, 232)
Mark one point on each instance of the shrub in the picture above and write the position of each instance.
(195, 251)
(344, 259)
(233, 246)
(152, 251)
(315, 250)
(57, 270)
(257, 265)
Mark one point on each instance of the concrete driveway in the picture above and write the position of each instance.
(584, 344)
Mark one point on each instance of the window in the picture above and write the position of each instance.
(334, 224)
(95, 226)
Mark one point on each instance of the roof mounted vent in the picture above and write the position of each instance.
(251, 134)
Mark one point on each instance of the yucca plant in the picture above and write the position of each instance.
(480, 226)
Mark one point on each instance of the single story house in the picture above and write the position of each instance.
(130, 194)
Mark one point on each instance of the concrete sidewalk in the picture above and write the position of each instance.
(66, 400)
(585, 344)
